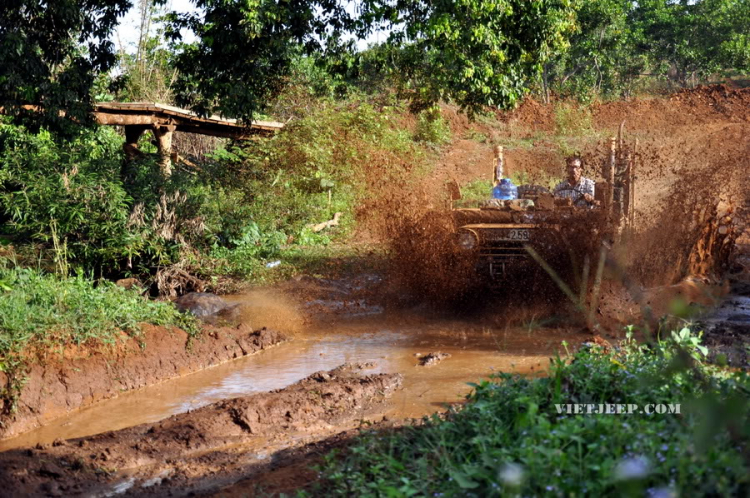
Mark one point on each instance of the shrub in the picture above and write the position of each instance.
(322, 163)
(68, 196)
(75, 202)
(510, 438)
(573, 120)
(432, 128)
(41, 314)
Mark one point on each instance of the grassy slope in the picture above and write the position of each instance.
(44, 312)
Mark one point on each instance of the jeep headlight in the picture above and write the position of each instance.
(467, 241)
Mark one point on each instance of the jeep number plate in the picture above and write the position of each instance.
(511, 234)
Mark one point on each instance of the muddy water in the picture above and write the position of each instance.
(390, 343)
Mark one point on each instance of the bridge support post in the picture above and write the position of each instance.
(163, 134)
(132, 135)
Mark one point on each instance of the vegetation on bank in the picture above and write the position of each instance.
(510, 439)
(79, 206)
(41, 314)
(474, 53)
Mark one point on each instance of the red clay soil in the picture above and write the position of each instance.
(59, 385)
(194, 451)
(700, 105)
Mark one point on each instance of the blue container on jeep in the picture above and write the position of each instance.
(505, 190)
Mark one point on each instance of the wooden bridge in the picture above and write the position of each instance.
(164, 120)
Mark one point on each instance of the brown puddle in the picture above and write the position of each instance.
(392, 343)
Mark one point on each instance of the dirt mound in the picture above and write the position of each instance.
(531, 116)
(57, 386)
(701, 105)
(176, 445)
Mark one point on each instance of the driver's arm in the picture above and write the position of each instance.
(589, 191)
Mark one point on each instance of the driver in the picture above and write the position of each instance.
(576, 187)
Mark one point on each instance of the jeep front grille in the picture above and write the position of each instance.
(503, 250)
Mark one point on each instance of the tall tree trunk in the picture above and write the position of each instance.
(545, 82)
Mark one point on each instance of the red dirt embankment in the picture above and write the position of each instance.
(199, 448)
(58, 385)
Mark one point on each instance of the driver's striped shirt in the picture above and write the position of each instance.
(565, 190)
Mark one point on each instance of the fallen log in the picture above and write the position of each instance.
(326, 224)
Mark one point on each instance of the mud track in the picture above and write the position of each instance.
(58, 385)
(189, 446)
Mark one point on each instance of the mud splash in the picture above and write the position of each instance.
(692, 183)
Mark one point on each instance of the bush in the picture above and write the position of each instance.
(50, 311)
(68, 196)
(510, 438)
(77, 205)
(322, 163)
(432, 128)
(42, 313)
(573, 120)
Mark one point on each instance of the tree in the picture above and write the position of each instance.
(605, 54)
(619, 41)
(50, 56)
(693, 39)
(246, 49)
(149, 71)
(474, 52)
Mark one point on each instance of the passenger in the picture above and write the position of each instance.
(576, 187)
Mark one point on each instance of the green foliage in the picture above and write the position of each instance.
(74, 202)
(432, 128)
(67, 194)
(618, 42)
(696, 39)
(45, 310)
(605, 55)
(572, 120)
(245, 50)
(78, 206)
(149, 73)
(321, 164)
(511, 439)
(50, 56)
(475, 191)
(42, 314)
(475, 53)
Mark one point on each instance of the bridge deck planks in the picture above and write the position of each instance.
(155, 114)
